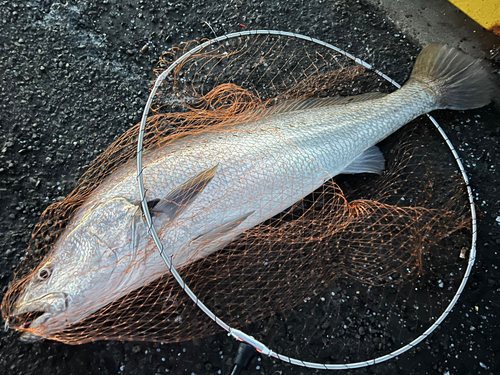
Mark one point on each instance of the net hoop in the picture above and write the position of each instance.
(237, 334)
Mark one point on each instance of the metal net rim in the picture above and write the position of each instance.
(237, 334)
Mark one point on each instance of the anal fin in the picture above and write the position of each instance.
(370, 161)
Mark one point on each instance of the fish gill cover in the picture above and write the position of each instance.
(365, 257)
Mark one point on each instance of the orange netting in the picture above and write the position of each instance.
(364, 251)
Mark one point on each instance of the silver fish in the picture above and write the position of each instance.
(206, 189)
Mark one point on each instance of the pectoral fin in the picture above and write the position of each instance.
(152, 203)
(370, 161)
(223, 229)
(181, 197)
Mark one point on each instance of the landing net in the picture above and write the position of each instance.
(356, 273)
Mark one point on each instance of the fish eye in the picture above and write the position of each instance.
(44, 273)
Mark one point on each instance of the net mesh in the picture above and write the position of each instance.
(365, 258)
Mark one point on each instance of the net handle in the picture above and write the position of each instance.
(239, 335)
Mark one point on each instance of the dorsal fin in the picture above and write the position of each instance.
(309, 103)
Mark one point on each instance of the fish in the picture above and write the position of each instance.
(205, 189)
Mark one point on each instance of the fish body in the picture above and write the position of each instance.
(208, 188)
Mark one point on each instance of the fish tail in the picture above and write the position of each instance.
(457, 80)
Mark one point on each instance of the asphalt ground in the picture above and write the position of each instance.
(74, 79)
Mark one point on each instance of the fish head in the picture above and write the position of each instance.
(80, 274)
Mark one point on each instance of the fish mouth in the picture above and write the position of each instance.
(25, 320)
(28, 316)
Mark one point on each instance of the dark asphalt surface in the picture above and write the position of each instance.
(74, 79)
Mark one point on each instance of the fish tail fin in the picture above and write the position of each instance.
(458, 80)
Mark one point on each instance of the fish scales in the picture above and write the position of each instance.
(231, 181)
(258, 160)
